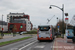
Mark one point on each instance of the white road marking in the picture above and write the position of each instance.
(42, 46)
(14, 48)
(26, 45)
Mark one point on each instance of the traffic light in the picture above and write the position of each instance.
(21, 26)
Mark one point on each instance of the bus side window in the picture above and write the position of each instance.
(72, 32)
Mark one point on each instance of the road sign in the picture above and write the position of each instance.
(58, 26)
(2, 29)
(66, 20)
(66, 14)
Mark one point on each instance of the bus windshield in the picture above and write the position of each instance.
(44, 28)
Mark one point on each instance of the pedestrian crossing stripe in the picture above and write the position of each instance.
(39, 46)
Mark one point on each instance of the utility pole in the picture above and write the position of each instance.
(62, 20)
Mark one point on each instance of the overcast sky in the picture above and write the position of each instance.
(38, 10)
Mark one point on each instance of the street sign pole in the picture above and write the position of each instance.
(58, 30)
(66, 19)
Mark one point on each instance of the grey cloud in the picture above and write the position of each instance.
(38, 9)
(8, 5)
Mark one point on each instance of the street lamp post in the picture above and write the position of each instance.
(57, 25)
(62, 9)
(2, 28)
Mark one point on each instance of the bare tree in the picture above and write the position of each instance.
(14, 30)
(60, 26)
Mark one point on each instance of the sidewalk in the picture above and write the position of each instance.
(61, 44)
(8, 38)
(4, 37)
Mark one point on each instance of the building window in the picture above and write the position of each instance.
(7, 18)
(25, 25)
(27, 17)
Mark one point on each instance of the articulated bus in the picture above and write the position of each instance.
(45, 33)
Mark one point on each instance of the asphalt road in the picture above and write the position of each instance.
(9, 37)
(29, 44)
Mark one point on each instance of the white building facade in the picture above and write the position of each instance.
(11, 15)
